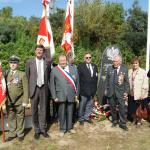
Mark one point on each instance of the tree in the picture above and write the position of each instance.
(57, 22)
(7, 33)
(6, 12)
(136, 32)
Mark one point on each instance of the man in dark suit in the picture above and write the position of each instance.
(88, 76)
(117, 84)
(37, 74)
(64, 87)
(148, 74)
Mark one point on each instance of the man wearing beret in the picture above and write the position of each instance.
(17, 89)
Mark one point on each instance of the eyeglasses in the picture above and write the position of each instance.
(88, 57)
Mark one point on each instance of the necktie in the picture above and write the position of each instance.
(12, 73)
(115, 74)
(39, 75)
(89, 69)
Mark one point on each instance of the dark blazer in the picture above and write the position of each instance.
(59, 86)
(31, 72)
(88, 84)
(117, 89)
(148, 74)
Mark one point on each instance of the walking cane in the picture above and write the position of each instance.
(3, 129)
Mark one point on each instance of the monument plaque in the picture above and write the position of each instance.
(109, 53)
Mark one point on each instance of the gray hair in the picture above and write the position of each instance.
(118, 57)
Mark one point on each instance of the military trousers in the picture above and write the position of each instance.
(16, 121)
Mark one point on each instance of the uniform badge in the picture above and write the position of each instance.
(16, 79)
(121, 78)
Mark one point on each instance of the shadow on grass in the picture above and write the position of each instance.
(51, 122)
(27, 131)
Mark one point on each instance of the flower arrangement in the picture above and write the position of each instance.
(100, 112)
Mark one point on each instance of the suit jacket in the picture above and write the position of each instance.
(115, 88)
(60, 88)
(140, 84)
(31, 72)
(17, 88)
(148, 74)
(88, 84)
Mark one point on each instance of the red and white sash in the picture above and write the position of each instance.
(68, 77)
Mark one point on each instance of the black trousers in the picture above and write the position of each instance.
(39, 101)
(65, 116)
(117, 104)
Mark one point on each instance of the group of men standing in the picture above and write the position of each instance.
(66, 83)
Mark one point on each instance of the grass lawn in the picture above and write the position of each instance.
(99, 136)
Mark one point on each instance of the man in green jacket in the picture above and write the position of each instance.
(17, 99)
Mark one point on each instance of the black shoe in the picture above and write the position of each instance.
(45, 134)
(20, 139)
(124, 127)
(89, 121)
(36, 136)
(81, 123)
(114, 125)
(10, 139)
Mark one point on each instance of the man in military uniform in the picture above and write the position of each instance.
(17, 100)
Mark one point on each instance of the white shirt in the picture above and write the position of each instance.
(42, 67)
(89, 65)
(118, 69)
(66, 68)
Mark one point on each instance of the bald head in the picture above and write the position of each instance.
(117, 61)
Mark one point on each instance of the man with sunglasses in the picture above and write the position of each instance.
(88, 76)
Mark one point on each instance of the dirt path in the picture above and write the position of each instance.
(100, 136)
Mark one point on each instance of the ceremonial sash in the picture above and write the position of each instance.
(68, 77)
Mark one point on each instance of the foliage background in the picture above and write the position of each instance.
(97, 25)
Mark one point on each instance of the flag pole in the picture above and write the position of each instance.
(3, 129)
(148, 39)
(72, 20)
(72, 23)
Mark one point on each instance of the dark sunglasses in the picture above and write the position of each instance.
(88, 57)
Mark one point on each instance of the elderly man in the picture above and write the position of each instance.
(117, 84)
(64, 88)
(17, 89)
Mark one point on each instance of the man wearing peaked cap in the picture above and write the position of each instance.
(17, 89)
(14, 59)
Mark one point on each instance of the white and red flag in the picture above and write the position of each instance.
(45, 35)
(2, 88)
(67, 41)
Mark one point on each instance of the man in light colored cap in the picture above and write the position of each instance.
(17, 89)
